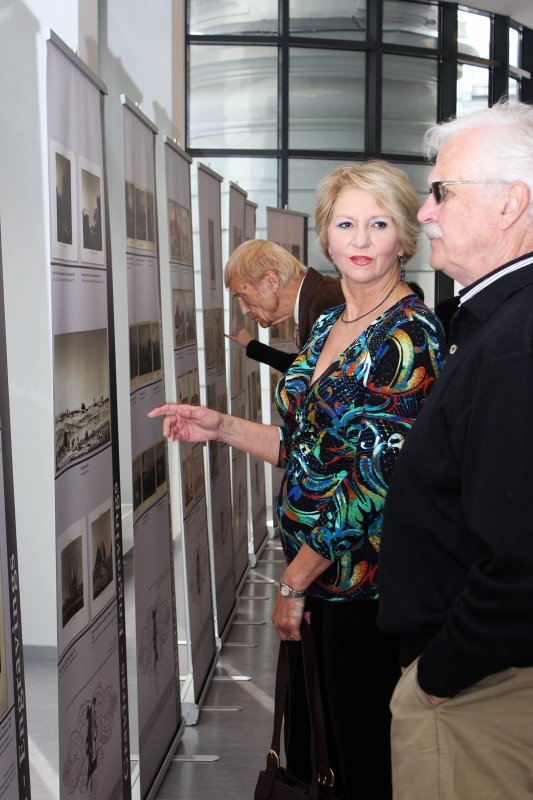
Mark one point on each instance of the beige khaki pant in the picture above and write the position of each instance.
(476, 746)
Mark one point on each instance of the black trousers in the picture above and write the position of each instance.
(359, 668)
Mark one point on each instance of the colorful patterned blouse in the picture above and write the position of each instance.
(341, 437)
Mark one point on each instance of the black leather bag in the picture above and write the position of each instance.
(275, 782)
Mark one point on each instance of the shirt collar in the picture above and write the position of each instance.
(483, 296)
(297, 301)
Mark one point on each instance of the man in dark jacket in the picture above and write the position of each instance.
(271, 285)
(456, 560)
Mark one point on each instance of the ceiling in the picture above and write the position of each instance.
(519, 10)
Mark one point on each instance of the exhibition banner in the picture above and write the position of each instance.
(158, 695)
(221, 543)
(195, 619)
(288, 229)
(238, 404)
(92, 686)
(14, 761)
(256, 466)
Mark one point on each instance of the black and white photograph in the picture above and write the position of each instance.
(150, 219)
(148, 473)
(180, 322)
(160, 465)
(211, 252)
(137, 483)
(183, 388)
(194, 386)
(140, 215)
(130, 210)
(190, 315)
(101, 537)
(186, 234)
(156, 347)
(63, 204)
(146, 363)
(91, 213)
(198, 470)
(188, 481)
(81, 395)
(72, 585)
(134, 352)
(174, 231)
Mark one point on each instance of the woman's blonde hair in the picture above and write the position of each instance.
(251, 260)
(390, 187)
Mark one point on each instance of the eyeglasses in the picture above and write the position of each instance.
(437, 187)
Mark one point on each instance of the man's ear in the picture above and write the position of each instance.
(273, 280)
(516, 201)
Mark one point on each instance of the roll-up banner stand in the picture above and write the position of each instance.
(196, 630)
(238, 404)
(158, 694)
(258, 531)
(92, 679)
(219, 507)
(288, 229)
(14, 756)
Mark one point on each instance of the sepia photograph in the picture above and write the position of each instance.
(156, 347)
(81, 395)
(150, 218)
(183, 388)
(148, 473)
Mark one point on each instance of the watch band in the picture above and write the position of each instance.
(286, 591)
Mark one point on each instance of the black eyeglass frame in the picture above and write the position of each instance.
(437, 187)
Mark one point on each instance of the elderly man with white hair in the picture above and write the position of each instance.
(456, 561)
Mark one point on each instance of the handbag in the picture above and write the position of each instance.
(275, 782)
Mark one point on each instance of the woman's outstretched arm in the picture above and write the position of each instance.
(188, 423)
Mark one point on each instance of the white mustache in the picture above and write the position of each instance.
(432, 230)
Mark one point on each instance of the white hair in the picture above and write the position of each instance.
(507, 140)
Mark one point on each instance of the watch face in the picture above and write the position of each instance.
(284, 590)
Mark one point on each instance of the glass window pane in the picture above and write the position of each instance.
(473, 34)
(326, 99)
(233, 96)
(233, 17)
(514, 47)
(304, 175)
(472, 89)
(409, 102)
(415, 24)
(336, 19)
(258, 177)
(514, 90)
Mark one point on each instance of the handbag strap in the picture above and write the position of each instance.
(321, 771)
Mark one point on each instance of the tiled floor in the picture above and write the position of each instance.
(221, 755)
